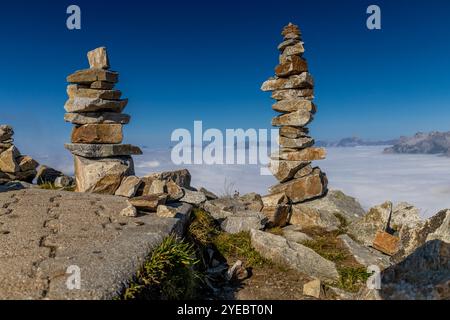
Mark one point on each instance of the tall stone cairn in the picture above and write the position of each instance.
(95, 108)
(13, 165)
(293, 90)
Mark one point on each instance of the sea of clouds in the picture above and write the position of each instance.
(362, 172)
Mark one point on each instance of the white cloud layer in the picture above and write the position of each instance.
(362, 172)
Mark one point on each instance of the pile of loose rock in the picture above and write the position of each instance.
(293, 89)
(13, 165)
(95, 108)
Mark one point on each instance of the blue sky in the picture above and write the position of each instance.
(181, 61)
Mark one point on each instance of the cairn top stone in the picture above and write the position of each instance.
(291, 29)
(98, 58)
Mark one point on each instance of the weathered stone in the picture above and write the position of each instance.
(102, 150)
(293, 233)
(157, 187)
(277, 216)
(287, 43)
(102, 175)
(181, 177)
(297, 65)
(98, 58)
(209, 195)
(8, 162)
(252, 201)
(27, 176)
(148, 203)
(299, 190)
(128, 187)
(89, 76)
(289, 94)
(296, 49)
(292, 105)
(304, 171)
(386, 243)
(177, 210)
(423, 275)
(296, 118)
(293, 132)
(27, 163)
(98, 133)
(64, 182)
(365, 228)
(174, 191)
(47, 175)
(301, 81)
(293, 255)
(285, 170)
(97, 118)
(103, 85)
(439, 226)
(6, 133)
(291, 29)
(292, 36)
(299, 143)
(325, 210)
(77, 91)
(129, 211)
(193, 197)
(313, 289)
(308, 217)
(308, 154)
(404, 214)
(244, 221)
(363, 255)
(94, 105)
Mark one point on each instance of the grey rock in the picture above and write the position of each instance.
(64, 181)
(94, 105)
(49, 231)
(128, 187)
(293, 233)
(243, 221)
(363, 255)
(97, 118)
(102, 150)
(193, 197)
(293, 255)
(6, 133)
(209, 195)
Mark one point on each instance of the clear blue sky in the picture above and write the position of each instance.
(181, 61)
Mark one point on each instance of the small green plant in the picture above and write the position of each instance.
(51, 186)
(202, 228)
(276, 231)
(352, 278)
(326, 248)
(343, 224)
(167, 274)
(238, 246)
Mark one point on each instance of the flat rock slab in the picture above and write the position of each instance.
(43, 233)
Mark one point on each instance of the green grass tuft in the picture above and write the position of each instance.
(327, 249)
(352, 278)
(168, 273)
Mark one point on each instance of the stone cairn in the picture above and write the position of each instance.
(13, 165)
(95, 108)
(292, 89)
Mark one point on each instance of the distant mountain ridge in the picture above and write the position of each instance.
(354, 142)
(423, 143)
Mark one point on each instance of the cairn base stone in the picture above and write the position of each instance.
(102, 175)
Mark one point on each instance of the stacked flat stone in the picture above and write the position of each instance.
(293, 89)
(95, 108)
(13, 165)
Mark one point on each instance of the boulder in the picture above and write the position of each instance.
(98, 58)
(252, 201)
(64, 182)
(309, 217)
(182, 178)
(296, 49)
(313, 289)
(293, 132)
(288, 94)
(386, 243)
(301, 189)
(6, 133)
(47, 175)
(129, 211)
(103, 175)
(293, 233)
(363, 255)
(293, 255)
(276, 209)
(98, 133)
(334, 203)
(102, 150)
(175, 210)
(209, 195)
(297, 143)
(8, 162)
(27, 163)
(128, 187)
(174, 191)
(88, 76)
(103, 85)
(193, 197)
(423, 275)
(97, 118)
(148, 203)
(308, 154)
(243, 221)
(295, 65)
